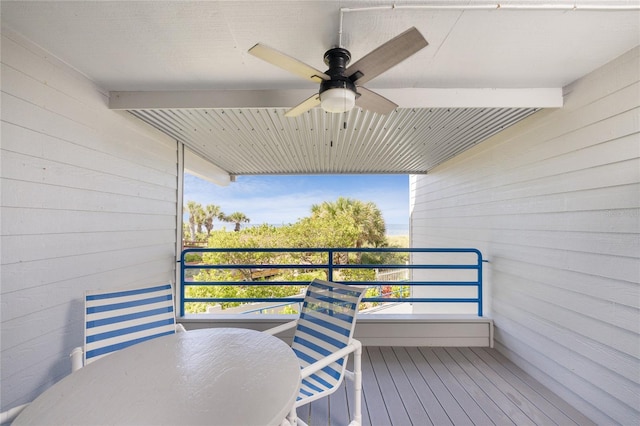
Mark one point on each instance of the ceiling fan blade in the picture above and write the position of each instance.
(304, 106)
(287, 63)
(386, 56)
(371, 101)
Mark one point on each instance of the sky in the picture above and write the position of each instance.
(281, 200)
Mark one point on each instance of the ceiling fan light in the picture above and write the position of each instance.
(337, 100)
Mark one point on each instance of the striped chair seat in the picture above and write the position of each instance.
(117, 319)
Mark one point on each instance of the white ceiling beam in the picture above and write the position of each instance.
(204, 169)
(405, 98)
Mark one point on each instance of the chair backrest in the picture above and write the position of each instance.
(326, 324)
(120, 318)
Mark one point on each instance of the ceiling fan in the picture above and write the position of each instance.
(341, 85)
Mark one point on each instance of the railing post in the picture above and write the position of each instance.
(182, 283)
(479, 284)
(330, 265)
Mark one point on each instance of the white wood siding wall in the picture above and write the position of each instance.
(554, 204)
(88, 200)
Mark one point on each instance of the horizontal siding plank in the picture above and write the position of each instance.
(27, 248)
(71, 95)
(622, 364)
(518, 197)
(50, 271)
(56, 197)
(19, 304)
(612, 244)
(614, 291)
(621, 316)
(540, 141)
(612, 77)
(622, 220)
(581, 369)
(583, 326)
(21, 113)
(614, 198)
(45, 69)
(20, 221)
(50, 367)
(37, 299)
(49, 150)
(54, 346)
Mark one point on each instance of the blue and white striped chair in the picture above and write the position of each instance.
(116, 319)
(323, 340)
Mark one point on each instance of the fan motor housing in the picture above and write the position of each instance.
(337, 59)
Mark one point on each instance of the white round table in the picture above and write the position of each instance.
(219, 376)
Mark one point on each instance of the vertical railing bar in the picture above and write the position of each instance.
(330, 264)
(479, 284)
(182, 289)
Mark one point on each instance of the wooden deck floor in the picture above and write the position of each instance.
(444, 386)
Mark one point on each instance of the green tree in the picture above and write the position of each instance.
(366, 216)
(196, 218)
(237, 218)
(186, 232)
(340, 224)
(211, 212)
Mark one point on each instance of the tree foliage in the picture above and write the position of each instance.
(200, 217)
(344, 223)
(237, 218)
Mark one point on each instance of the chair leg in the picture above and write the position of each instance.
(293, 417)
(357, 386)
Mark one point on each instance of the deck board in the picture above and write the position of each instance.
(409, 398)
(481, 393)
(444, 386)
(436, 413)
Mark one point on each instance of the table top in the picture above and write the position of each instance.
(218, 376)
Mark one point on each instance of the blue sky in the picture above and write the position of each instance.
(279, 200)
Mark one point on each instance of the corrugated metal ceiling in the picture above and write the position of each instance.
(250, 141)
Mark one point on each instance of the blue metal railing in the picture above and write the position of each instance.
(329, 263)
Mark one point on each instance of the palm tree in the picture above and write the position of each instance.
(211, 211)
(237, 218)
(196, 217)
(367, 216)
